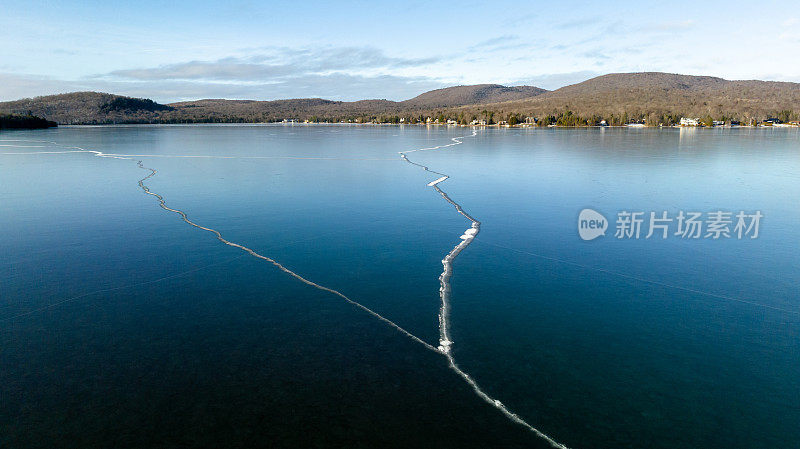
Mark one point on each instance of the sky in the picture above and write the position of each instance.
(175, 50)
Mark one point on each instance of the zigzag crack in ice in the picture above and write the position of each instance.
(445, 340)
(219, 236)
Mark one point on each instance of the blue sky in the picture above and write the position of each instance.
(171, 51)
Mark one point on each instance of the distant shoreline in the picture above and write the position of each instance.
(618, 99)
(429, 125)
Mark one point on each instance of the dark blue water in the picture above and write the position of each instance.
(123, 326)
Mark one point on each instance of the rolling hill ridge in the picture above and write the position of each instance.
(649, 97)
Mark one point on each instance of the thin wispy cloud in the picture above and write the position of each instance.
(675, 26)
(495, 42)
(223, 69)
(578, 23)
(520, 20)
(336, 86)
(280, 63)
(595, 54)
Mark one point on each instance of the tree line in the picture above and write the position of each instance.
(17, 121)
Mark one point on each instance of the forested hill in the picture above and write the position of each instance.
(657, 98)
(653, 98)
(102, 108)
(87, 108)
(466, 95)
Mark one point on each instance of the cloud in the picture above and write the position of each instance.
(779, 77)
(275, 64)
(520, 20)
(496, 43)
(266, 73)
(15, 86)
(595, 54)
(578, 23)
(335, 86)
(223, 69)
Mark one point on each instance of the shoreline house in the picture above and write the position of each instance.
(690, 121)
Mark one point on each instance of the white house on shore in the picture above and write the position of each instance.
(690, 121)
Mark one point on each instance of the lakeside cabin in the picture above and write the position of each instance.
(690, 121)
